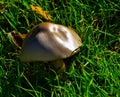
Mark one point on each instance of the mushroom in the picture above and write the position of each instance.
(49, 42)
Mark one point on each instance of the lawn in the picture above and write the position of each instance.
(93, 72)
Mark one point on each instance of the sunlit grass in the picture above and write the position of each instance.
(93, 72)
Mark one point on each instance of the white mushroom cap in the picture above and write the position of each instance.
(48, 42)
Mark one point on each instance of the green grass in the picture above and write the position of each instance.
(93, 72)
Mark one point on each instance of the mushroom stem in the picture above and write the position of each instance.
(59, 66)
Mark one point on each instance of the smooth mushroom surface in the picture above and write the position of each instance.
(48, 42)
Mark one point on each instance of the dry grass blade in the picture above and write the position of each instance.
(41, 12)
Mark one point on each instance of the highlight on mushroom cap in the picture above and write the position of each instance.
(48, 41)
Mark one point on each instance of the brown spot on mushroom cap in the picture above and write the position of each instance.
(48, 42)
